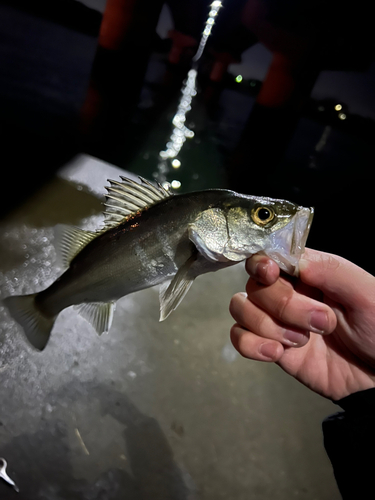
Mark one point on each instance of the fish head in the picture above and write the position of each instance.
(246, 225)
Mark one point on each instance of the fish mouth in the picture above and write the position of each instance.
(287, 245)
(302, 225)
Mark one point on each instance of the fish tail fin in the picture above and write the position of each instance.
(37, 326)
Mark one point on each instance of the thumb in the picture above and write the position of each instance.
(335, 276)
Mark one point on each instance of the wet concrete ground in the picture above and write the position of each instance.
(152, 410)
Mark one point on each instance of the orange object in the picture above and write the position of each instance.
(220, 65)
(180, 42)
(280, 82)
(117, 18)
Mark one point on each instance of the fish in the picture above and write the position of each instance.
(151, 237)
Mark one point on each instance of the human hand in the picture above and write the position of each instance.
(320, 328)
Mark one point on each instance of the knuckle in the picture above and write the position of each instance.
(260, 324)
(330, 263)
(368, 302)
(367, 294)
(243, 347)
(282, 305)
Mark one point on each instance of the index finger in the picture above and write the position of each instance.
(262, 269)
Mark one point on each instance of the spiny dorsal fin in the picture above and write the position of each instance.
(128, 197)
(69, 241)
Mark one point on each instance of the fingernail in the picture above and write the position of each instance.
(268, 350)
(319, 321)
(294, 338)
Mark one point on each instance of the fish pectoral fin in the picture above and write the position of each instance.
(98, 314)
(172, 292)
(69, 241)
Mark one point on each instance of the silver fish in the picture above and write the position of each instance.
(152, 237)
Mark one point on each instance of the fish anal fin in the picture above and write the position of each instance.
(69, 241)
(98, 314)
(172, 292)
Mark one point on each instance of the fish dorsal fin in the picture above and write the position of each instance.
(69, 241)
(129, 197)
(98, 314)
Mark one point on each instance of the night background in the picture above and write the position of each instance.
(299, 126)
(285, 108)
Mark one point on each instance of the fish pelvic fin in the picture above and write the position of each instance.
(69, 241)
(36, 325)
(98, 314)
(126, 198)
(172, 292)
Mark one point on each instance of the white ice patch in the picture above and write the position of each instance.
(92, 173)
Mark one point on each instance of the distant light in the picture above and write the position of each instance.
(252, 83)
(180, 133)
(342, 116)
(176, 184)
(239, 78)
(176, 163)
(166, 186)
(320, 108)
(338, 107)
(216, 4)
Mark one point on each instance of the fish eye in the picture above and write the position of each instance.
(262, 215)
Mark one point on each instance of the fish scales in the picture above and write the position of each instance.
(168, 241)
(101, 271)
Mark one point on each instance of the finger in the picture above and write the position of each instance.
(338, 278)
(309, 291)
(262, 269)
(251, 346)
(291, 308)
(253, 318)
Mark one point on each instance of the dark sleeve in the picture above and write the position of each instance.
(349, 440)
